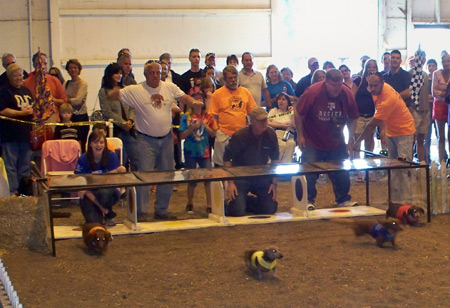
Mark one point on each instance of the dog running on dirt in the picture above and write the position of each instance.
(259, 262)
(384, 231)
(407, 214)
(96, 237)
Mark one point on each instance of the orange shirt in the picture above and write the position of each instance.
(54, 84)
(392, 110)
(232, 108)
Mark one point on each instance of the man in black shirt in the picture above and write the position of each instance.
(193, 76)
(305, 82)
(252, 146)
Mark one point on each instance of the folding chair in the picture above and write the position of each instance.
(4, 184)
(117, 144)
(60, 157)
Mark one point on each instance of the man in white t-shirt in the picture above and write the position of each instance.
(153, 101)
(253, 80)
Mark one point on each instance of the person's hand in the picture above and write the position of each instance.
(157, 100)
(232, 190)
(27, 110)
(197, 103)
(301, 142)
(103, 210)
(208, 94)
(273, 189)
(195, 124)
(128, 126)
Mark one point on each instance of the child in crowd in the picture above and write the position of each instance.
(196, 127)
(66, 131)
(207, 88)
(96, 205)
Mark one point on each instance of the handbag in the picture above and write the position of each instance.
(40, 134)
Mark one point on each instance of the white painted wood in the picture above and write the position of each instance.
(299, 196)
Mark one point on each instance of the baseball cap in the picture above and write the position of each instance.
(209, 55)
(259, 114)
(311, 61)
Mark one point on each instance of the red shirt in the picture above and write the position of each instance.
(317, 109)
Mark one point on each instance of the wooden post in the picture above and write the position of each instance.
(434, 196)
(217, 203)
(443, 187)
(299, 196)
(131, 220)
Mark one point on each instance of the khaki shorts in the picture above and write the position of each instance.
(220, 143)
(361, 124)
(421, 120)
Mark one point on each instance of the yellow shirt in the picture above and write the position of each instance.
(232, 108)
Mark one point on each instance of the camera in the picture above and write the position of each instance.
(338, 123)
(288, 134)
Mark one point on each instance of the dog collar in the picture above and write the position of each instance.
(96, 228)
(258, 256)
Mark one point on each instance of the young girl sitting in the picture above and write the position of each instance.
(96, 205)
(196, 127)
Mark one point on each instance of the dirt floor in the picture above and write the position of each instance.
(324, 265)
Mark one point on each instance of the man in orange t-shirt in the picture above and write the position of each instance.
(56, 89)
(398, 123)
(230, 105)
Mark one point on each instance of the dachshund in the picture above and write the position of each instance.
(407, 214)
(383, 231)
(96, 237)
(259, 262)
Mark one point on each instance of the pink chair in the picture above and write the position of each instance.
(59, 156)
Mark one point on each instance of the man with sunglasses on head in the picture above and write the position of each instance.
(153, 102)
(7, 59)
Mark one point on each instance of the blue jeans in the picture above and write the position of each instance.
(154, 153)
(17, 157)
(192, 162)
(107, 197)
(129, 150)
(339, 179)
(245, 204)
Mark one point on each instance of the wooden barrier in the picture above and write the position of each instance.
(65, 183)
(439, 204)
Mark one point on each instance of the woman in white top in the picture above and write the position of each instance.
(76, 90)
(281, 119)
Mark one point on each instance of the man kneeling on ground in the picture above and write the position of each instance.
(252, 146)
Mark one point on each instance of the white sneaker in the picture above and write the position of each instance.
(348, 203)
(311, 206)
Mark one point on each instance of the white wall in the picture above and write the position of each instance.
(93, 31)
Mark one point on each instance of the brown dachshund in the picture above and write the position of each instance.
(259, 262)
(407, 214)
(96, 237)
(384, 231)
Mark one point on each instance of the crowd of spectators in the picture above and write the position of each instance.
(221, 114)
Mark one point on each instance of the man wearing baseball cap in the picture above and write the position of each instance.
(252, 145)
(210, 60)
(305, 82)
